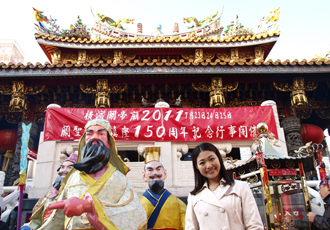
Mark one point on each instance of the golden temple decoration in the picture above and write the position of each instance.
(272, 139)
(252, 179)
(230, 160)
(118, 57)
(224, 57)
(93, 58)
(102, 91)
(297, 89)
(18, 94)
(56, 56)
(107, 57)
(258, 54)
(234, 54)
(323, 114)
(9, 154)
(216, 89)
(304, 149)
(39, 118)
(243, 56)
(69, 57)
(248, 102)
(82, 56)
(17, 102)
(13, 118)
(198, 57)
(302, 113)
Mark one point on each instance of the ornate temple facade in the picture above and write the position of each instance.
(206, 67)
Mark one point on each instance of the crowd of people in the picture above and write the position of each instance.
(93, 192)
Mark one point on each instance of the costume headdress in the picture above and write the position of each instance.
(115, 160)
(72, 158)
(152, 153)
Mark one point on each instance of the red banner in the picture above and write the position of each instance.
(166, 124)
(32, 155)
(322, 172)
(282, 172)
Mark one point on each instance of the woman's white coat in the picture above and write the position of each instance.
(229, 207)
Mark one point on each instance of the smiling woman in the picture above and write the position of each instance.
(218, 201)
(208, 165)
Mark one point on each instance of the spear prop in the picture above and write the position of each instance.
(23, 166)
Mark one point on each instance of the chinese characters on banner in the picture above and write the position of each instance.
(166, 124)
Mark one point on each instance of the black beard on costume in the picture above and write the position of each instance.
(153, 176)
(94, 157)
(156, 186)
(58, 182)
(61, 172)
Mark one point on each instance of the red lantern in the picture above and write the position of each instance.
(311, 133)
(8, 139)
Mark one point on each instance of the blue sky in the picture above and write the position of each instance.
(304, 25)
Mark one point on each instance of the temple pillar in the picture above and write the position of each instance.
(282, 146)
(292, 129)
(45, 164)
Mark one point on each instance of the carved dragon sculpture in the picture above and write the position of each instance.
(41, 27)
(113, 23)
(201, 22)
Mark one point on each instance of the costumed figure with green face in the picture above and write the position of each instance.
(40, 212)
(164, 210)
(96, 194)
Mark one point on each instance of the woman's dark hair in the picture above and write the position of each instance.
(199, 178)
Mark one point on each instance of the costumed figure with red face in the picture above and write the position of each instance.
(164, 210)
(97, 194)
(40, 213)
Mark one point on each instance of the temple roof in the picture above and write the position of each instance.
(164, 62)
(256, 38)
(243, 71)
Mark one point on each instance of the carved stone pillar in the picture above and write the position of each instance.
(292, 128)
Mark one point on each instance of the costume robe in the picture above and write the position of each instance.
(172, 211)
(41, 213)
(116, 204)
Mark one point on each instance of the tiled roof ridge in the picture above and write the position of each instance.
(164, 62)
(151, 40)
